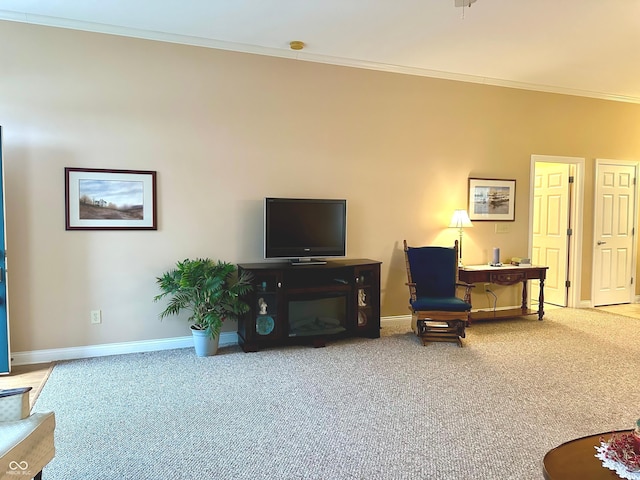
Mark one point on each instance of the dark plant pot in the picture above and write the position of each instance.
(205, 345)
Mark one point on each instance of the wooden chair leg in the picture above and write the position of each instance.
(453, 331)
(414, 324)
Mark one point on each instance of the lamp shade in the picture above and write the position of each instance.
(460, 219)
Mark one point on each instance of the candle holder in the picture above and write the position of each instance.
(495, 262)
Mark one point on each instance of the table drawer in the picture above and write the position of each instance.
(469, 276)
(507, 278)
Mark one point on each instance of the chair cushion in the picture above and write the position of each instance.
(433, 270)
(14, 404)
(27, 445)
(449, 304)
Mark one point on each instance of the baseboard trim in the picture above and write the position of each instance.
(103, 350)
(395, 318)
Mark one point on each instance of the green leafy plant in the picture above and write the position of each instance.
(209, 289)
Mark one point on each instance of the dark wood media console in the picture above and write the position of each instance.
(312, 304)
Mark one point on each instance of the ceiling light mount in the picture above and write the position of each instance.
(464, 3)
(298, 45)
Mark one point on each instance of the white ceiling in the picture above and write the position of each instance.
(580, 47)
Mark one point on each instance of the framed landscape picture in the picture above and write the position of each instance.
(492, 199)
(101, 199)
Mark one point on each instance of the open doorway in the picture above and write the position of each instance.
(555, 226)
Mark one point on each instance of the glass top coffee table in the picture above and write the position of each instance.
(576, 460)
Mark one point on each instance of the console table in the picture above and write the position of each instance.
(310, 303)
(504, 275)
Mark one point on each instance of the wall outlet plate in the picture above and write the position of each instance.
(96, 316)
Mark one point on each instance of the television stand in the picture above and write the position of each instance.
(307, 261)
(323, 302)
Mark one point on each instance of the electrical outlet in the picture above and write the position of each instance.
(96, 316)
(487, 287)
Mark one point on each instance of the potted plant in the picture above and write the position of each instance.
(210, 290)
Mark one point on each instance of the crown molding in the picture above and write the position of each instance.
(299, 55)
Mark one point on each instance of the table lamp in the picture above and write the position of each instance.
(460, 220)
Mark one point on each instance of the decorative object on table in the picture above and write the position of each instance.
(636, 438)
(211, 291)
(522, 262)
(102, 199)
(621, 453)
(437, 315)
(495, 261)
(262, 306)
(460, 220)
(265, 324)
(492, 199)
(362, 298)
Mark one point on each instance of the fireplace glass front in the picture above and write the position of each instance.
(323, 315)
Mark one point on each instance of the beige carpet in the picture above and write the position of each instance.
(358, 409)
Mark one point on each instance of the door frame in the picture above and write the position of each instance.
(634, 247)
(5, 363)
(576, 212)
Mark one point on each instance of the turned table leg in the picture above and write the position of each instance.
(541, 299)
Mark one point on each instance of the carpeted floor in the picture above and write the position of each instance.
(358, 409)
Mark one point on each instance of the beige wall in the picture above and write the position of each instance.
(223, 130)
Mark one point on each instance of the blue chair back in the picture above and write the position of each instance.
(433, 270)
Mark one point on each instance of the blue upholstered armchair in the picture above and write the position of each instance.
(437, 313)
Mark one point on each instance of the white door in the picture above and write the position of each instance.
(614, 221)
(550, 229)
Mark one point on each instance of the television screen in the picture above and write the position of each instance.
(303, 228)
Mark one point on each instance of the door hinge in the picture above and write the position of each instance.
(571, 178)
(567, 283)
(569, 231)
(631, 280)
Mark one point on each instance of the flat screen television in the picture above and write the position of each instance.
(305, 230)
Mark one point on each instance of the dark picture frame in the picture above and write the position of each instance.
(492, 199)
(106, 199)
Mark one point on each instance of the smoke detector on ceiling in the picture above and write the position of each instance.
(464, 3)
